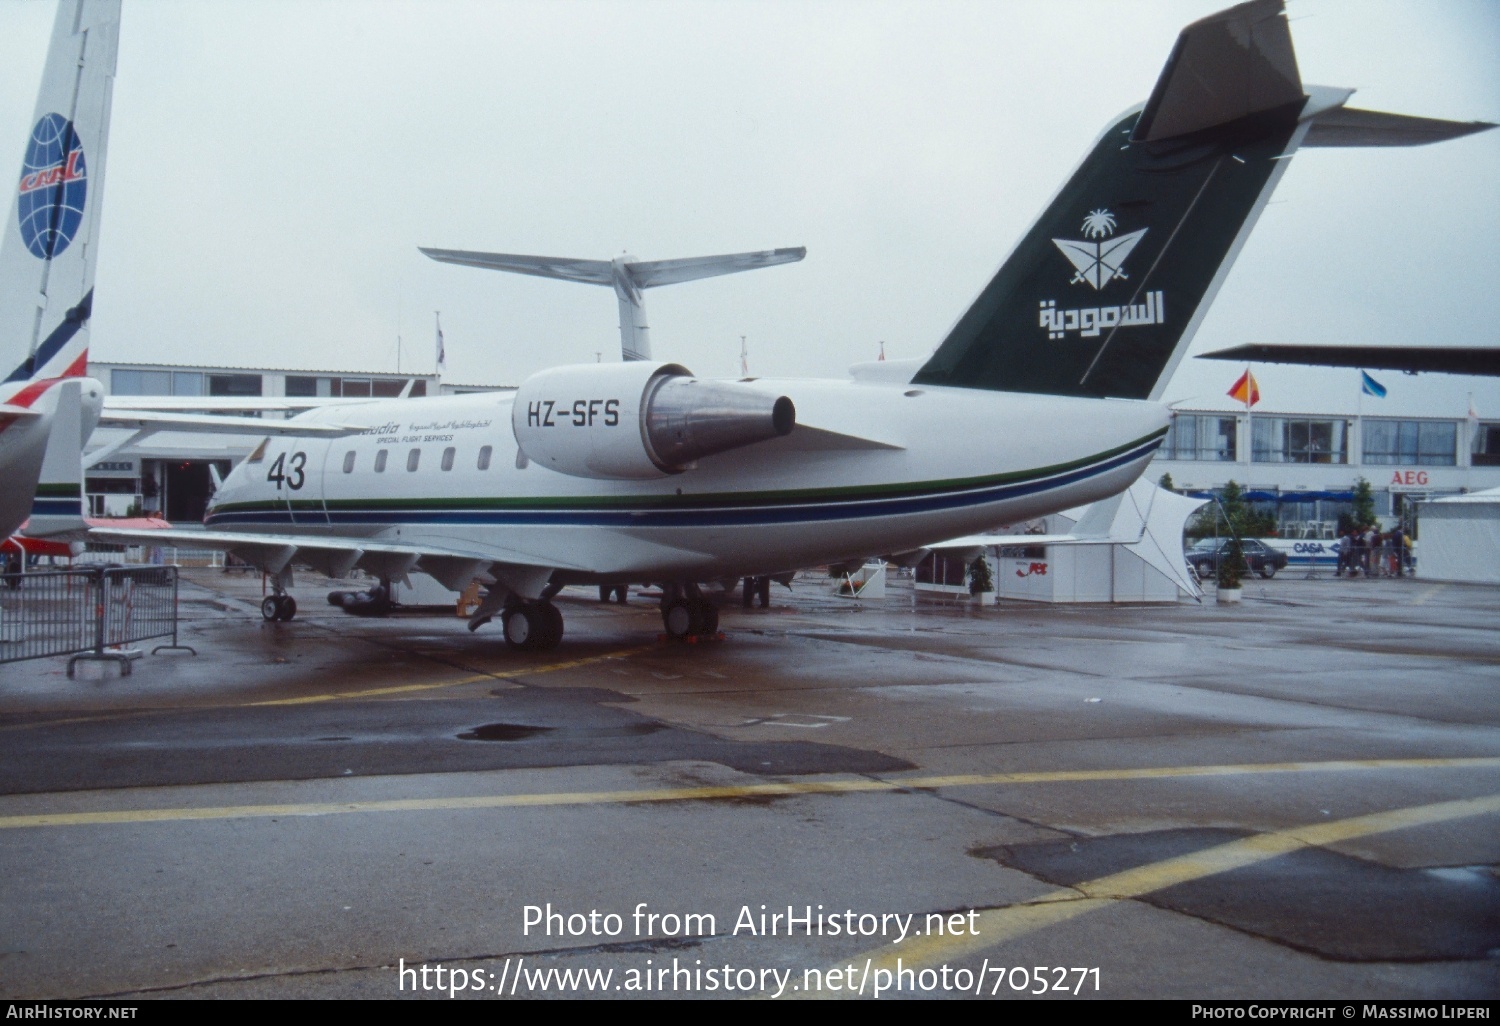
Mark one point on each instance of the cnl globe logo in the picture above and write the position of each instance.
(54, 182)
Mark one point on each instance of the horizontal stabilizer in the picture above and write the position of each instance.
(589, 272)
(1347, 126)
(651, 273)
(10, 410)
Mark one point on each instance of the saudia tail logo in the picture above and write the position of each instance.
(1098, 259)
(54, 185)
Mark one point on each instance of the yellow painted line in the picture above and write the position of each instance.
(680, 794)
(995, 926)
(522, 671)
(1428, 594)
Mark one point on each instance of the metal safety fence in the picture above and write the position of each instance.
(88, 613)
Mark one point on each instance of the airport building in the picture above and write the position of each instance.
(1304, 464)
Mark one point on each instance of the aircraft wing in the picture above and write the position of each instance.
(229, 403)
(455, 567)
(210, 424)
(1480, 360)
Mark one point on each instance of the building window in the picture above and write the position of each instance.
(237, 385)
(413, 459)
(1424, 443)
(357, 388)
(1194, 437)
(1487, 445)
(448, 454)
(349, 462)
(386, 388)
(304, 386)
(485, 451)
(380, 462)
(139, 382)
(187, 383)
(1283, 440)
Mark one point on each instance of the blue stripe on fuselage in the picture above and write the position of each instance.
(790, 513)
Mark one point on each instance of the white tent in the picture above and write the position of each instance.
(1460, 538)
(1124, 549)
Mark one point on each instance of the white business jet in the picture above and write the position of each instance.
(1045, 395)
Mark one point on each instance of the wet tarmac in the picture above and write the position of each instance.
(1296, 797)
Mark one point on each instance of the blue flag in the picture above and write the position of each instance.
(1369, 386)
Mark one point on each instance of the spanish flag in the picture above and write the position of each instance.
(1246, 390)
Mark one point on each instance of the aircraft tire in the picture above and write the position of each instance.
(270, 608)
(678, 618)
(288, 608)
(522, 626)
(552, 626)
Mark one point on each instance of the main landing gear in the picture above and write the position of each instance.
(685, 612)
(278, 607)
(532, 626)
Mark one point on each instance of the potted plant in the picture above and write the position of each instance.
(982, 581)
(1231, 570)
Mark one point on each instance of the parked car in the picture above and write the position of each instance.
(1204, 557)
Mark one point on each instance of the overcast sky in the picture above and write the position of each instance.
(274, 164)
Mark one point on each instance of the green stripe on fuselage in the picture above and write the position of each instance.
(698, 501)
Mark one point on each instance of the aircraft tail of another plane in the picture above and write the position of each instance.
(1103, 294)
(58, 508)
(50, 245)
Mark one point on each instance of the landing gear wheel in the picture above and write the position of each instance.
(533, 627)
(522, 626)
(622, 594)
(270, 607)
(288, 608)
(678, 618)
(552, 623)
(764, 588)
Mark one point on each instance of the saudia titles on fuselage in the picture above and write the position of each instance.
(1099, 262)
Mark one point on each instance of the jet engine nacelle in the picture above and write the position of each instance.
(638, 420)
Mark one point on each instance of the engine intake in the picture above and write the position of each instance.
(639, 420)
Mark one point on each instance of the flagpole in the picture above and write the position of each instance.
(1249, 427)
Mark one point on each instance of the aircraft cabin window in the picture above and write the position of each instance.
(448, 458)
(484, 456)
(380, 462)
(349, 462)
(413, 459)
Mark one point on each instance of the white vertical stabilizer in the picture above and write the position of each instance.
(51, 240)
